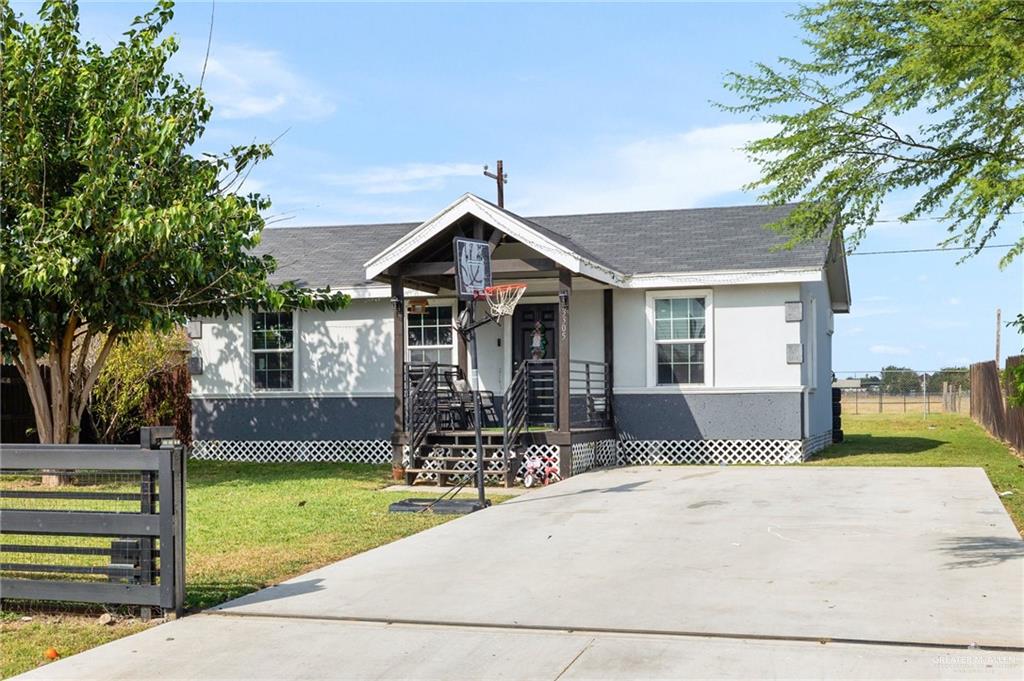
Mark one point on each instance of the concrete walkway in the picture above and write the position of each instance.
(642, 573)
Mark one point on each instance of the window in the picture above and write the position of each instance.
(680, 339)
(431, 336)
(273, 350)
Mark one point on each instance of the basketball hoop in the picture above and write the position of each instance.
(502, 299)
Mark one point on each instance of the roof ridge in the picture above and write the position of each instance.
(666, 210)
(347, 226)
(550, 215)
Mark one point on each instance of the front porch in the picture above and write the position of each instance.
(437, 441)
(542, 390)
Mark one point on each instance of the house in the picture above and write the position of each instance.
(672, 336)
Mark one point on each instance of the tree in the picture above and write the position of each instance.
(900, 380)
(110, 224)
(126, 382)
(898, 95)
(954, 376)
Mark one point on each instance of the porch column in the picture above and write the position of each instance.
(564, 416)
(460, 343)
(398, 305)
(609, 354)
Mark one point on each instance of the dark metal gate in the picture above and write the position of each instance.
(108, 519)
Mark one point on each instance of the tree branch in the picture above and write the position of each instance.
(94, 372)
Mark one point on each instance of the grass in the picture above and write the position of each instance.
(939, 440)
(248, 526)
(24, 642)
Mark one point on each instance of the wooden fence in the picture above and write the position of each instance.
(989, 406)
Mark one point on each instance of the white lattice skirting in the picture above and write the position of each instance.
(285, 451)
(467, 468)
(715, 452)
(585, 455)
(589, 455)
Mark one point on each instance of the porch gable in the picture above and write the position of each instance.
(560, 250)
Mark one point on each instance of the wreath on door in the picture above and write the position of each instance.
(538, 341)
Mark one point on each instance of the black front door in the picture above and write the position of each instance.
(533, 332)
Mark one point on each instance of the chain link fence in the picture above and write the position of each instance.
(901, 390)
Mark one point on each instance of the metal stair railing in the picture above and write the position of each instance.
(516, 408)
(422, 409)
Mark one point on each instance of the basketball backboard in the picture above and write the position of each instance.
(472, 267)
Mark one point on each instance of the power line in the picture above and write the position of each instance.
(931, 250)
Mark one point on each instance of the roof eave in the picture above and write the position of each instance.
(837, 275)
(781, 275)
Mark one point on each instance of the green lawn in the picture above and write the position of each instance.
(939, 440)
(248, 526)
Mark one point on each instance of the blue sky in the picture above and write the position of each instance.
(389, 111)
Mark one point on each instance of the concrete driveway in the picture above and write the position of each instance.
(643, 573)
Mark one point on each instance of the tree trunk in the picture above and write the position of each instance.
(58, 412)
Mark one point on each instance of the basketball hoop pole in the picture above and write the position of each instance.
(475, 369)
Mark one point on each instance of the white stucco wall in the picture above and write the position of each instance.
(225, 361)
(749, 334)
(349, 352)
(586, 326)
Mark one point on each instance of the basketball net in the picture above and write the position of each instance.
(502, 299)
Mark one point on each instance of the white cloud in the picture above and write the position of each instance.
(889, 350)
(402, 179)
(954, 301)
(669, 171)
(245, 82)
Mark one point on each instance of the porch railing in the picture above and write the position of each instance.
(589, 394)
(421, 402)
(541, 393)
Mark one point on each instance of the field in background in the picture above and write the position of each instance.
(856, 402)
(935, 440)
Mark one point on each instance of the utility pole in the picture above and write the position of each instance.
(999, 328)
(501, 178)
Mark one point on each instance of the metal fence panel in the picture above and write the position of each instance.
(108, 518)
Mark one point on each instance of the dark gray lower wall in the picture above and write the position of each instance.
(298, 418)
(640, 417)
(712, 416)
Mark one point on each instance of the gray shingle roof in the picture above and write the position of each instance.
(328, 256)
(687, 240)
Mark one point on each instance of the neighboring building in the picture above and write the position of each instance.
(714, 343)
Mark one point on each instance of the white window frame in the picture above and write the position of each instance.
(709, 333)
(252, 351)
(452, 348)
